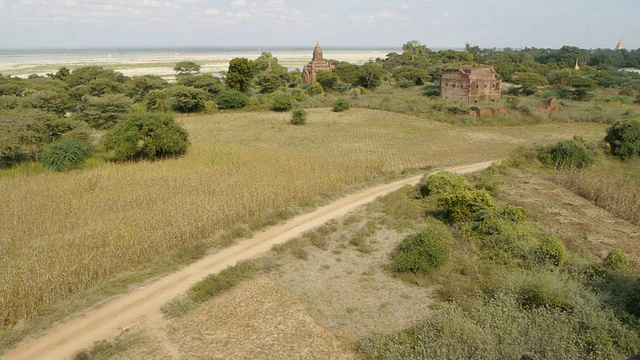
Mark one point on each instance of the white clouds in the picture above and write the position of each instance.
(212, 12)
(446, 15)
(387, 15)
(2, 4)
(239, 3)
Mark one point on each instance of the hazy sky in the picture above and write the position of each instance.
(336, 23)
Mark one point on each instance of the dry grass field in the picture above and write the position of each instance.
(61, 233)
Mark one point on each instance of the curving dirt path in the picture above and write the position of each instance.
(143, 304)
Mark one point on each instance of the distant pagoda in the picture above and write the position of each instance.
(317, 64)
(620, 46)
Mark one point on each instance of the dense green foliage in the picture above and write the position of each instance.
(104, 112)
(466, 205)
(65, 154)
(146, 136)
(425, 251)
(25, 132)
(228, 100)
(240, 74)
(299, 117)
(442, 183)
(567, 154)
(282, 102)
(341, 105)
(187, 99)
(624, 139)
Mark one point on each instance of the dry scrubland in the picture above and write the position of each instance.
(61, 233)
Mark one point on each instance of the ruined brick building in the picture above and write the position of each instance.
(317, 64)
(470, 85)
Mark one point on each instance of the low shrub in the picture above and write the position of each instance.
(146, 136)
(466, 205)
(65, 154)
(616, 260)
(514, 213)
(228, 100)
(551, 250)
(442, 183)
(341, 105)
(624, 139)
(425, 251)
(299, 117)
(282, 102)
(567, 154)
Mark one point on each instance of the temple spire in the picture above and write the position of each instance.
(620, 45)
(317, 52)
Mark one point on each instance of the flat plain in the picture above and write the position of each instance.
(114, 219)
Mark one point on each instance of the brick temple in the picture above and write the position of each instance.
(470, 85)
(317, 64)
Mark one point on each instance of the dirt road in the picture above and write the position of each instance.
(143, 304)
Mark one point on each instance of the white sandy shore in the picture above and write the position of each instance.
(163, 65)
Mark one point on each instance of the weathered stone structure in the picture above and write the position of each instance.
(317, 64)
(470, 85)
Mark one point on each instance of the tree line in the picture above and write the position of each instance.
(42, 110)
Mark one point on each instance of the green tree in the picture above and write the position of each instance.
(104, 112)
(206, 82)
(581, 86)
(240, 74)
(348, 73)
(146, 136)
(24, 133)
(269, 82)
(328, 80)
(186, 68)
(266, 61)
(140, 86)
(187, 99)
(372, 75)
(529, 82)
(158, 101)
(56, 102)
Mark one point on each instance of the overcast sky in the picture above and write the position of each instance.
(336, 23)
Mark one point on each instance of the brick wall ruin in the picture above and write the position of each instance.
(470, 85)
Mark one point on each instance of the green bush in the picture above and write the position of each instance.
(341, 105)
(624, 139)
(228, 100)
(514, 213)
(187, 99)
(425, 251)
(567, 154)
(616, 260)
(65, 154)
(282, 102)
(442, 183)
(466, 205)
(299, 117)
(146, 136)
(551, 250)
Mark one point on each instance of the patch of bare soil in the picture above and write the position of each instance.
(347, 289)
(578, 221)
(256, 320)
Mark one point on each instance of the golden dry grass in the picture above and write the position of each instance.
(60, 233)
